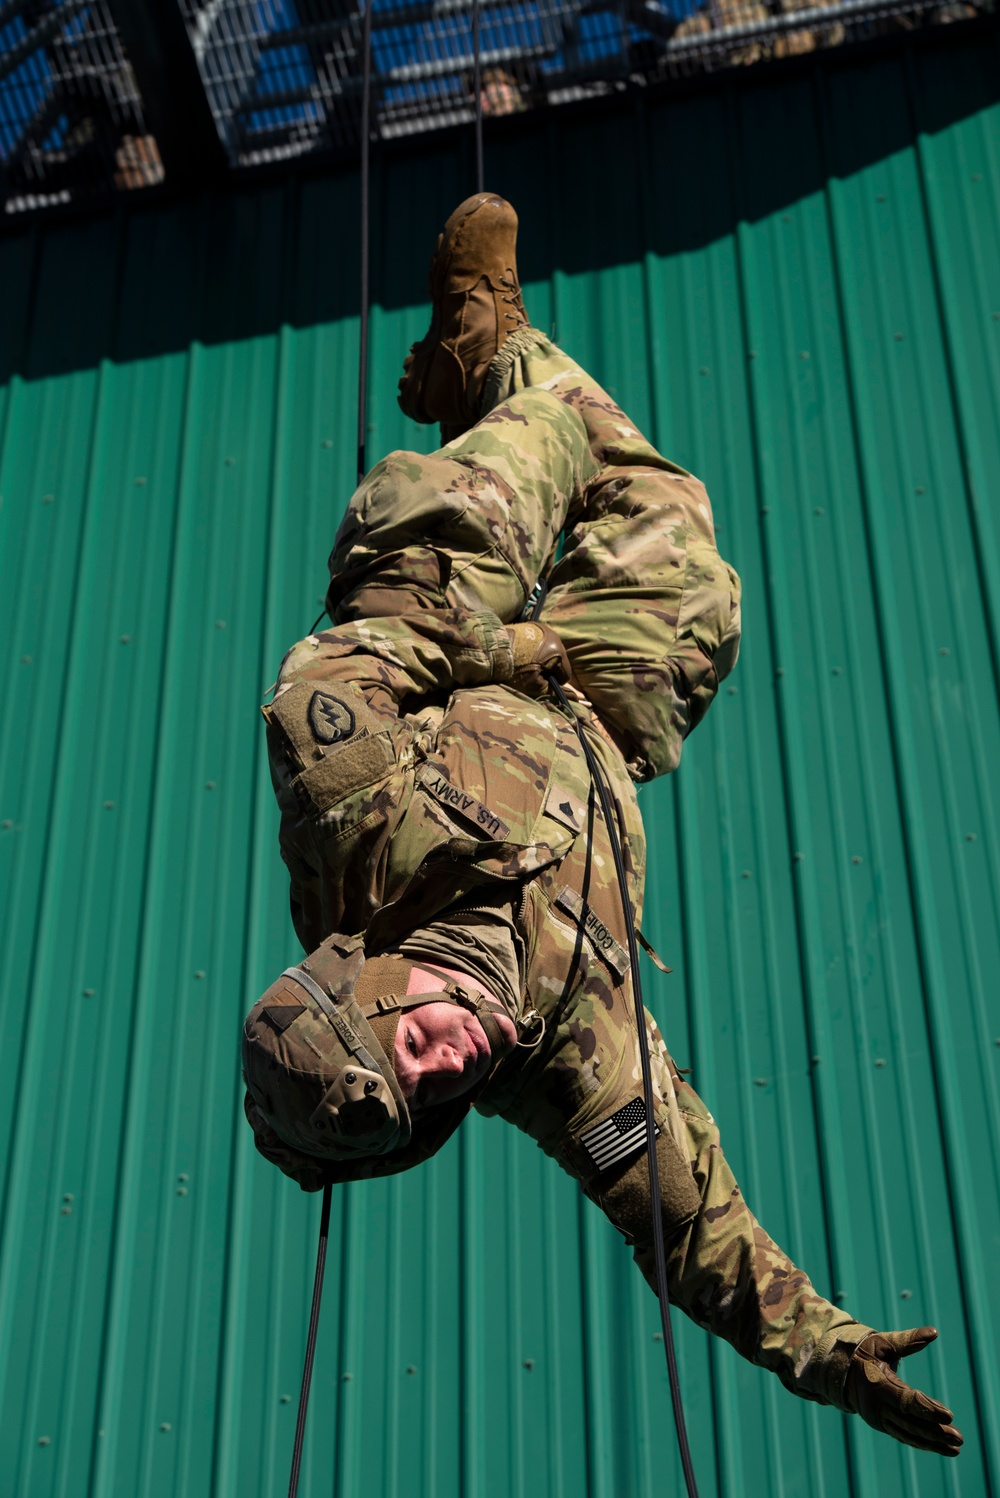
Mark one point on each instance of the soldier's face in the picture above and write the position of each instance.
(441, 1049)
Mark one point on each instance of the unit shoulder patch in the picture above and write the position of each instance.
(330, 719)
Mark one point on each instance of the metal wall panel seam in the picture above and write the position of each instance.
(989, 582)
(234, 1338)
(904, 737)
(836, 1193)
(28, 1112)
(982, 521)
(799, 328)
(104, 1479)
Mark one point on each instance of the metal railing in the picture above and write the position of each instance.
(99, 96)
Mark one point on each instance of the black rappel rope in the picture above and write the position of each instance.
(300, 1424)
(659, 1247)
(324, 1223)
(477, 85)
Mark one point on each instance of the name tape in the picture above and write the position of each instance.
(600, 938)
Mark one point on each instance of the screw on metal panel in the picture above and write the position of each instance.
(47, 499)
(906, 1294)
(166, 1426)
(779, 671)
(840, 1294)
(140, 483)
(856, 858)
(765, 509)
(26, 660)
(109, 806)
(286, 1399)
(210, 785)
(944, 650)
(657, 1336)
(529, 1363)
(124, 639)
(183, 1176)
(970, 837)
(919, 489)
(88, 993)
(733, 691)
(760, 1081)
(752, 354)
(68, 1196)
(838, 670)
(182, 1191)
(899, 337)
(45, 1440)
(220, 623)
(327, 442)
(346, 1377)
(746, 874)
(819, 510)
(996, 317)
(880, 198)
(230, 462)
(815, 1060)
(66, 1211)
(798, 857)
(880, 1061)
(977, 176)
(804, 354)
(411, 1370)
(199, 973)
(6, 824)
(703, 370)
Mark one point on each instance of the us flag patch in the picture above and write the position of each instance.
(620, 1135)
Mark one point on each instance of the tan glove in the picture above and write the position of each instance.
(537, 651)
(884, 1402)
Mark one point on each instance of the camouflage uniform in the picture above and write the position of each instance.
(411, 775)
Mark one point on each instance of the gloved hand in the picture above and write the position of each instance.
(537, 650)
(874, 1392)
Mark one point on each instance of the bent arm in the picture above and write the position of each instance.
(394, 660)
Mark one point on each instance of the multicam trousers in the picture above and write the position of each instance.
(649, 615)
(647, 609)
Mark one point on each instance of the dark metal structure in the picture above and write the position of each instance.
(104, 96)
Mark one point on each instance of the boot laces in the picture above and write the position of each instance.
(514, 298)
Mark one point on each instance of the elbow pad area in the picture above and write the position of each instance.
(623, 1193)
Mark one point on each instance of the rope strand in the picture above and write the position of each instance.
(476, 69)
(366, 95)
(300, 1424)
(659, 1247)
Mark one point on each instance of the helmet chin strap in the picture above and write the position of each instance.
(485, 1009)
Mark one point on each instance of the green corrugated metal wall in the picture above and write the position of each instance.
(792, 283)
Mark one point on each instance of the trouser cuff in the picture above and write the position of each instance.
(496, 385)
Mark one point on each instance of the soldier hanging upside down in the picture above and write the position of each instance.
(451, 873)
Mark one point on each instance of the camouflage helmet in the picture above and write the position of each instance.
(318, 1050)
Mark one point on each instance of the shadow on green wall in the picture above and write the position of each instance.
(594, 187)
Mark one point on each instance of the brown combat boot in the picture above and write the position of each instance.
(477, 306)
